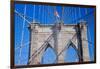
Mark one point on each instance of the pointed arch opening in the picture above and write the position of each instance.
(49, 55)
(71, 54)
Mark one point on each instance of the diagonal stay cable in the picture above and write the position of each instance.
(22, 35)
(41, 48)
(78, 54)
(49, 13)
(89, 39)
(90, 42)
(91, 12)
(22, 45)
(26, 16)
(65, 47)
(22, 16)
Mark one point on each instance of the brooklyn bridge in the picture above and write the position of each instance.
(50, 34)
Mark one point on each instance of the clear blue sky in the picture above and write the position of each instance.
(45, 15)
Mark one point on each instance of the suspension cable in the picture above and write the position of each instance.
(70, 15)
(22, 45)
(84, 16)
(75, 16)
(79, 12)
(88, 26)
(62, 13)
(41, 48)
(44, 16)
(39, 12)
(34, 13)
(67, 14)
(22, 16)
(22, 35)
(42, 13)
(65, 47)
(26, 16)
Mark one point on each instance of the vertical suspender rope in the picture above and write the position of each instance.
(86, 12)
(43, 13)
(39, 13)
(79, 12)
(62, 14)
(66, 12)
(75, 16)
(55, 13)
(22, 38)
(69, 13)
(34, 13)
(65, 15)
(48, 13)
(88, 26)
(43, 16)
(54, 19)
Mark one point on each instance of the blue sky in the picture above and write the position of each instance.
(45, 15)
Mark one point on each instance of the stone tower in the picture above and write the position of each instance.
(58, 36)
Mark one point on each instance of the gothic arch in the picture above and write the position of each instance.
(71, 44)
(47, 46)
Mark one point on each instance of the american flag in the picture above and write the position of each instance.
(56, 14)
